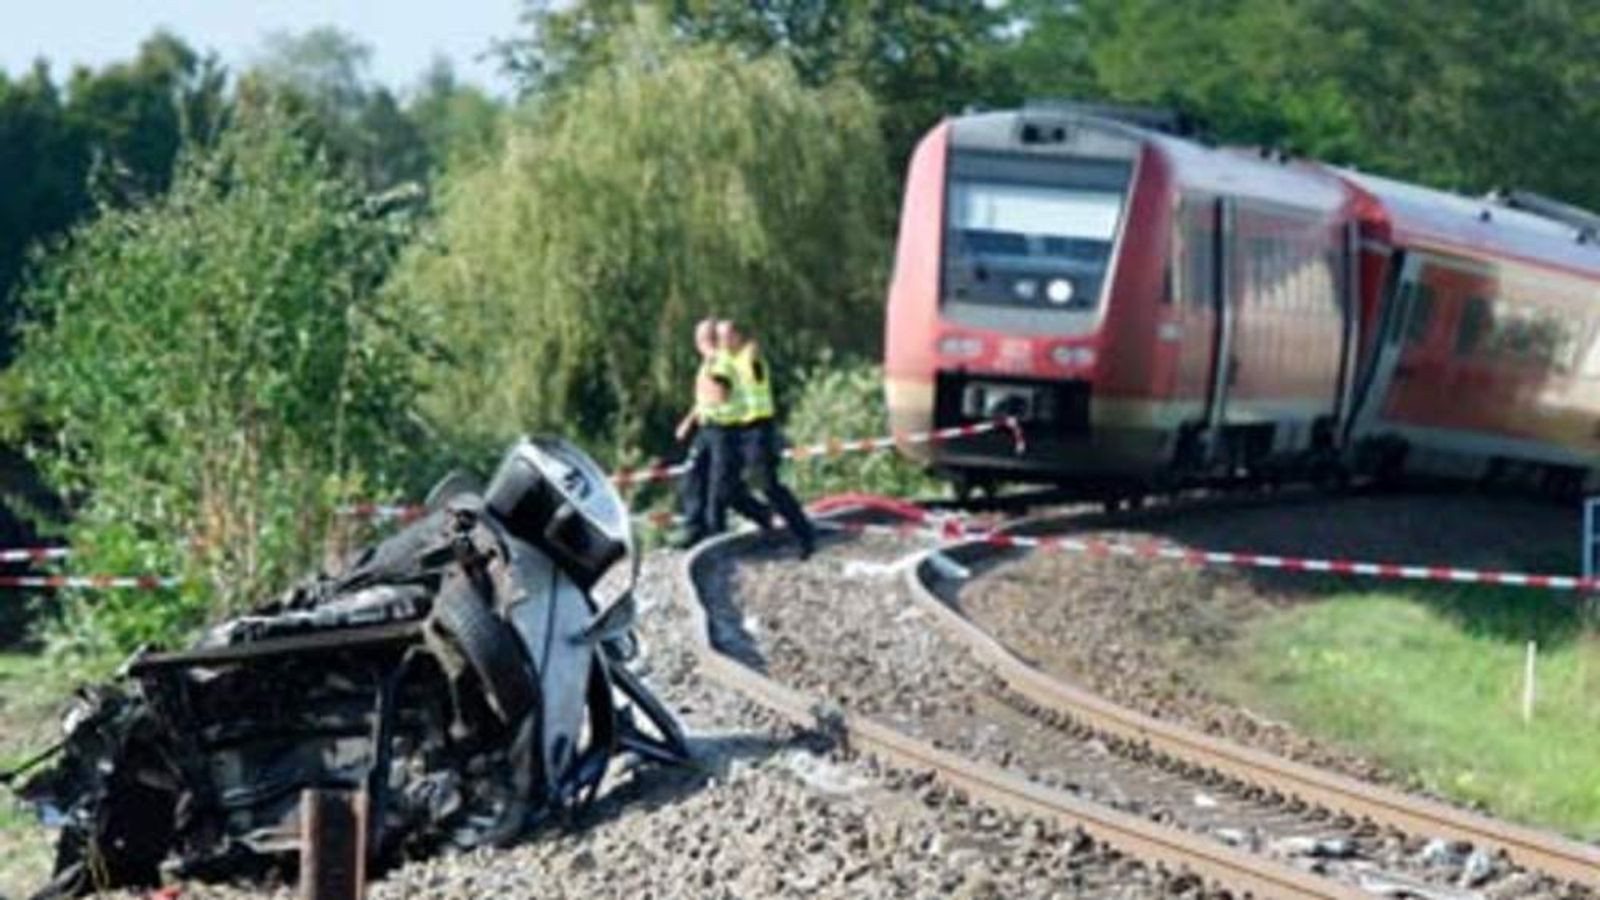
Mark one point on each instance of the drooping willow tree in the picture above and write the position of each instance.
(682, 180)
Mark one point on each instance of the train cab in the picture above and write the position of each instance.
(1140, 301)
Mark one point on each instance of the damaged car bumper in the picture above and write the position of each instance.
(460, 673)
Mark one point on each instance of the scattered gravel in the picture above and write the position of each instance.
(863, 643)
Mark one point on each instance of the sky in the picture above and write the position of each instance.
(405, 35)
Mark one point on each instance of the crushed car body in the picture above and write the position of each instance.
(460, 673)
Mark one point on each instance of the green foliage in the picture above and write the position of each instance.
(458, 123)
(215, 376)
(842, 400)
(379, 139)
(679, 182)
(1460, 94)
(323, 74)
(113, 133)
(920, 60)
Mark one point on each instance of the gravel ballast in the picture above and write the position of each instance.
(846, 629)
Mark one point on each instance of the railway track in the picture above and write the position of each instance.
(1137, 836)
(1532, 849)
(1021, 779)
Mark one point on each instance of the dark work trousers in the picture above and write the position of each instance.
(760, 454)
(722, 483)
(695, 488)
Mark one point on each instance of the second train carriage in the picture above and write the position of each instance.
(1155, 309)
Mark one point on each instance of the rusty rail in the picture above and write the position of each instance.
(333, 845)
(1543, 851)
(1136, 837)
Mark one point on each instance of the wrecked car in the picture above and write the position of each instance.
(461, 674)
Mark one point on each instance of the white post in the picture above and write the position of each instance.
(1591, 538)
(1527, 683)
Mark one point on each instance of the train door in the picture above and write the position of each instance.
(1224, 362)
(1195, 312)
(1394, 317)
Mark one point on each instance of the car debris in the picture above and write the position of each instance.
(461, 673)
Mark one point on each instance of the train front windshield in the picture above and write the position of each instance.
(1029, 232)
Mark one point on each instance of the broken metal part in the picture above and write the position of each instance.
(460, 674)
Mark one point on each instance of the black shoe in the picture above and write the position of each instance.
(808, 546)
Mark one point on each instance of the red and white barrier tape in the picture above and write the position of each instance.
(140, 582)
(382, 512)
(954, 529)
(828, 449)
(834, 447)
(34, 554)
(49, 554)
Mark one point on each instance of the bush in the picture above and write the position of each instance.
(217, 378)
(846, 401)
(683, 180)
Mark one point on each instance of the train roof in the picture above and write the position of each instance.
(1476, 226)
(1237, 171)
(1251, 173)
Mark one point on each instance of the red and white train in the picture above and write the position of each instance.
(1157, 310)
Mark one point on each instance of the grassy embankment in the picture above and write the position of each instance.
(1430, 680)
(31, 690)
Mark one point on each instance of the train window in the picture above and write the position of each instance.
(1421, 315)
(1199, 251)
(1590, 366)
(1534, 335)
(1476, 320)
(1031, 233)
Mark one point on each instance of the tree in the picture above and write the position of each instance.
(113, 134)
(134, 116)
(324, 73)
(1457, 93)
(680, 181)
(921, 60)
(458, 122)
(43, 163)
(216, 375)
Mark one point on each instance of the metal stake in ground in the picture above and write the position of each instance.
(333, 845)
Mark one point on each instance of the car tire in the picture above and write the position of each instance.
(490, 646)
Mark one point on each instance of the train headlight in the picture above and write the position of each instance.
(1025, 289)
(1058, 291)
(1073, 357)
(960, 347)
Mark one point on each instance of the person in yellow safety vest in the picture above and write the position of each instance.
(755, 443)
(710, 421)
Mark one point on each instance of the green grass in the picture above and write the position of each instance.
(1430, 681)
(31, 691)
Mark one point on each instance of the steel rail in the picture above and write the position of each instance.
(1539, 850)
(1138, 838)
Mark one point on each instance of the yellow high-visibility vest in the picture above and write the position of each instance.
(727, 411)
(752, 389)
